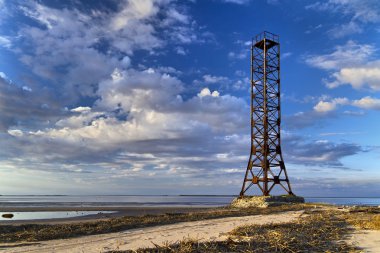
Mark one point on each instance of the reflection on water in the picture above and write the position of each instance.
(49, 215)
(147, 200)
(111, 200)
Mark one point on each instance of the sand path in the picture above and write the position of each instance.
(206, 230)
(367, 240)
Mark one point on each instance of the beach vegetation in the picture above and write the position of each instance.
(41, 232)
(322, 231)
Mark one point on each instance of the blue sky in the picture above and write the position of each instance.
(152, 96)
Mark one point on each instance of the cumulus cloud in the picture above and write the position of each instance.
(350, 64)
(140, 122)
(367, 75)
(98, 109)
(88, 45)
(348, 55)
(327, 106)
(206, 92)
(101, 113)
(367, 103)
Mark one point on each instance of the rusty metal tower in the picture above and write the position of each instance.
(266, 167)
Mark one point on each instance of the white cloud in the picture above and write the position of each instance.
(15, 132)
(240, 55)
(81, 109)
(180, 51)
(237, 1)
(214, 79)
(354, 113)
(151, 109)
(126, 62)
(323, 106)
(286, 55)
(133, 10)
(180, 17)
(345, 29)
(349, 64)
(206, 92)
(140, 122)
(363, 103)
(359, 12)
(327, 106)
(357, 77)
(5, 42)
(26, 88)
(367, 103)
(87, 45)
(350, 54)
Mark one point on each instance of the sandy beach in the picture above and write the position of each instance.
(148, 236)
(213, 229)
(368, 240)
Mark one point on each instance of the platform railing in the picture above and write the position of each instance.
(266, 35)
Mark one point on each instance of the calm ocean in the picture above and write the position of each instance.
(146, 200)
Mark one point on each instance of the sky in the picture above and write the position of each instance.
(152, 96)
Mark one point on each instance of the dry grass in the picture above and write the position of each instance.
(364, 217)
(39, 232)
(318, 232)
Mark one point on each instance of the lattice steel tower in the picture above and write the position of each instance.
(266, 167)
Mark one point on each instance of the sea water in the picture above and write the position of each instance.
(49, 215)
(150, 200)
(109, 201)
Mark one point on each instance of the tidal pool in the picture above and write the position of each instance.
(49, 215)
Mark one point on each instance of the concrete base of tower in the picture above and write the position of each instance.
(265, 201)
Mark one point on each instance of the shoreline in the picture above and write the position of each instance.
(119, 211)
